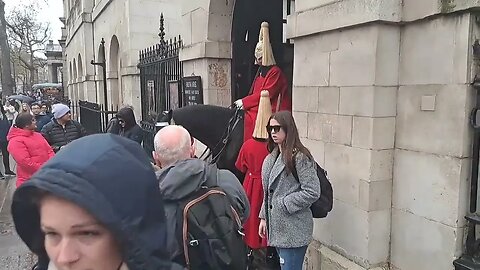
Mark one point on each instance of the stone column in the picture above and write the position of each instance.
(433, 142)
(113, 88)
(54, 78)
(344, 101)
(51, 77)
(131, 89)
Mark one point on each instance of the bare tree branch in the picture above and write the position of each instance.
(28, 37)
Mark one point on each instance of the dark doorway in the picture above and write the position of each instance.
(247, 18)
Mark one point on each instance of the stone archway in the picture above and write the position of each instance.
(81, 92)
(207, 50)
(113, 73)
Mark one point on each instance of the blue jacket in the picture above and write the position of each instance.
(112, 179)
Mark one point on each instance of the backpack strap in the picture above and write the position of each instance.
(212, 178)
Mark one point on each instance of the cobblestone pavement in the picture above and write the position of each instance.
(14, 255)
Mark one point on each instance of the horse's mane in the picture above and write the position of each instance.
(203, 113)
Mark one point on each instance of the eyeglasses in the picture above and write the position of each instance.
(273, 129)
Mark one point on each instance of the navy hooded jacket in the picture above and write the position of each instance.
(112, 179)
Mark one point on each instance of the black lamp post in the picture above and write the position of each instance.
(104, 68)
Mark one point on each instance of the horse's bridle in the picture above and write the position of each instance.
(232, 124)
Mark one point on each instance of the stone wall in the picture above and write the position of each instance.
(433, 143)
(384, 107)
(344, 101)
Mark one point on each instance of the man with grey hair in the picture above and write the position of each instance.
(172, 144)
(182, 176)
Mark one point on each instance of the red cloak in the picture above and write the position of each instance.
(249, 161)
(276, 84)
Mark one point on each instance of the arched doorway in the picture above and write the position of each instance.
(247, 18)
(113, 76)
(81, 91)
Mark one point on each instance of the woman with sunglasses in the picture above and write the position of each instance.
(286, 219)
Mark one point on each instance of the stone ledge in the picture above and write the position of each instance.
(321, 257)
(417, 10)
(218, 50)
(130, 70)
(99, 8)
(345, 13)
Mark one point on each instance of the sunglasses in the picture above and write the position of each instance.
(273, 129)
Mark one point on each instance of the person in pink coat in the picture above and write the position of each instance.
(28, 147)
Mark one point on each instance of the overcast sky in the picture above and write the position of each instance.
(50, 11)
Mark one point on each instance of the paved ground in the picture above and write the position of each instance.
(14, 255)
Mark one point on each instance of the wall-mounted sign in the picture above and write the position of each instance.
(192, 91)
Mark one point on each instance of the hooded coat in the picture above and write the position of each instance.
(184, 178)
(112, 179)
(131, 130)
(30, 150)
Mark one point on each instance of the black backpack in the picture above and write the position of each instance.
(210, 231)
(324, 204)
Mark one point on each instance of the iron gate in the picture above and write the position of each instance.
(160, 77)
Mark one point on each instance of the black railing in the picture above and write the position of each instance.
(148, 135)
(160, 76)
(92, 116)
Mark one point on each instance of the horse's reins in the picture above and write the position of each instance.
(232, 124)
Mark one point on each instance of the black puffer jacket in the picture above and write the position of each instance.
(57, 136)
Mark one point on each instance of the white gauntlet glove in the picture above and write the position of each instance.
(239, 104)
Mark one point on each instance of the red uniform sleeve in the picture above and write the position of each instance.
(272, 84)
(241, 160)
(19, 151)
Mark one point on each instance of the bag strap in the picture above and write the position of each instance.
(212, 178)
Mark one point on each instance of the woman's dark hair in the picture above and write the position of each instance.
(23, 120)
(292, 144)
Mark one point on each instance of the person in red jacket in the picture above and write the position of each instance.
(269, 77)
(29, 148)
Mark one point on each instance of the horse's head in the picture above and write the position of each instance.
(165, 117)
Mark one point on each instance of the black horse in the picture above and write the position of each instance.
(219, 128)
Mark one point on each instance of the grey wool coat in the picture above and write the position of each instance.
(287, 201)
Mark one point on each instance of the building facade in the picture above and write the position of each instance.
(382, 97)
(381, 94)
(126, 27)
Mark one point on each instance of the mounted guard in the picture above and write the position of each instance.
(269, 77)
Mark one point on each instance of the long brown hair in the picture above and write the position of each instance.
(292, 144)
